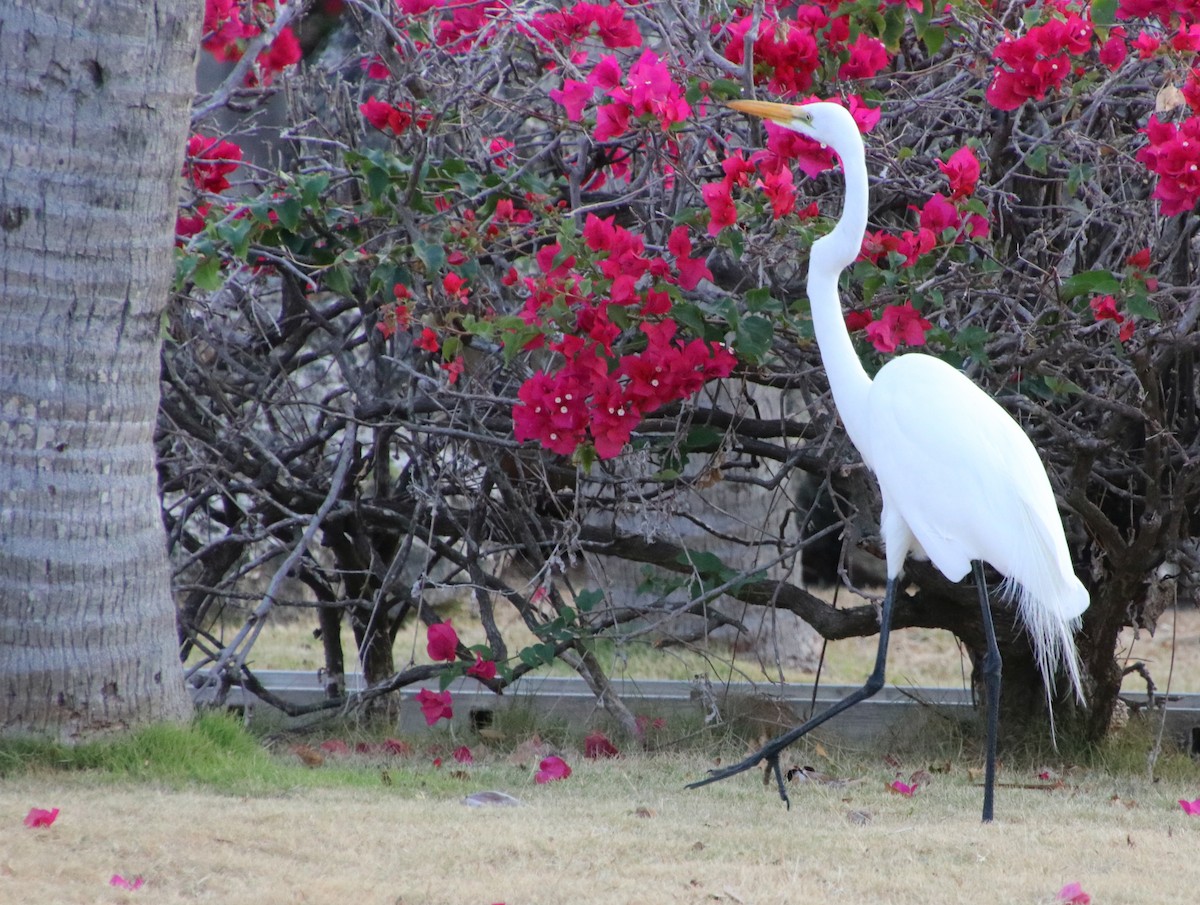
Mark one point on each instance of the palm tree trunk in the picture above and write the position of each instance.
(92, 128)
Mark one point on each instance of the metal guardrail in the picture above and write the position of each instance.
(894, 711)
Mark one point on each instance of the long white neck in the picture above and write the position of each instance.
(830, 255)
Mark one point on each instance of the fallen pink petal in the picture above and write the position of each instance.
(552, 768)
(463, 755)
(598, 745)
(903, 788)
(1074, 894)
(1191, 808)
(40, 817)
(121, 883)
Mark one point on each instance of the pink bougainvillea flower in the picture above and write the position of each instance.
(645, 721)
(283, 52)
(39, 817)
(1191, 808)
(572, 96)
(612, 121)
(121, 883)
(552, 768)
(335, 746)
(900, 325)
(1115, 50)
(397, 747)
(597, 745)
(691, 270)
(374, 66)
(858, 320)
(188, 225)
(435, 705)
(1173, 154)
(1104, 308)
(1146, 45)
(456, 286)
(903, 788)
(780, 191)
(442, 641)
(939, 215)
(606, 74)
(1140, 260)
(482, 669)
(612, 419)
(1073, 893)
(463, 755)
(868, 56)
(719, 198)
(428, 341)
(962, 169)
(209, 161)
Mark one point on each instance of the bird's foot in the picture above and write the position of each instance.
(769, 754)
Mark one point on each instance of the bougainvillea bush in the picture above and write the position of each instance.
(508, 287)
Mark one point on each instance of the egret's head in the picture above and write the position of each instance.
(830, 124)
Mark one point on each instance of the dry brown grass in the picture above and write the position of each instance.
(622, 831)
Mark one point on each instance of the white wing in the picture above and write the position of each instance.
(965, 479)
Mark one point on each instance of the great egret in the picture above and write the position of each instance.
(961, 482)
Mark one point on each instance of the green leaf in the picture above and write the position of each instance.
(337, 281)
(702, 437)
(690, 316)
(895, 21)
(448, 675)
(312, 187)
(1061, 387)
(705, 563)
(753, 336)
(1038, 159)
(431, 254)
(479, 326)
(585, 457)
(934, 38)
(288, 212)
(207, 274)
(724, 89)
(587, 599)
(377, 181)
(760, 299)
(1138, 304)
(871, 285)
(1079, 175)
(734, 241)
(537, 654)
(1104, 12)
(1090, 282)
(236, 233)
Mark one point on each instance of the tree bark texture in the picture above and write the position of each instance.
(92, 127)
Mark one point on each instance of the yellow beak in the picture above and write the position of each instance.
(779, 113)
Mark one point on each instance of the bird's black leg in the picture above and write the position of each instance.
(991, 677)
(770, 752)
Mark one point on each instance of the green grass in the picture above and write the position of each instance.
(213, 750)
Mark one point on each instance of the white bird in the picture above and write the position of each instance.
(961, 483)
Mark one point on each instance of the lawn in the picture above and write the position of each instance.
(212, 816)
